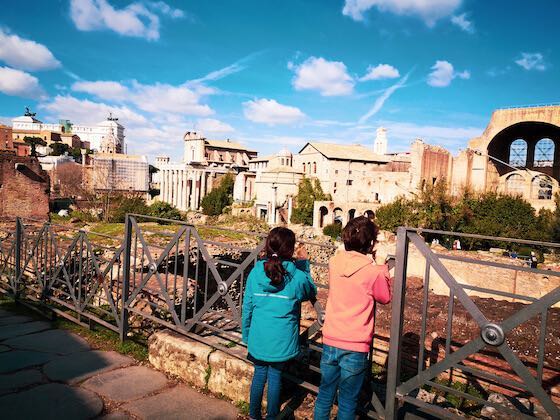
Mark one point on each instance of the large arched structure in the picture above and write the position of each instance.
(518, 153)
(531, 145)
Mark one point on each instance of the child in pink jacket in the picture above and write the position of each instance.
(355, 283)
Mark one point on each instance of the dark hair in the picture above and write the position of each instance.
(360, 234)
(279, 246)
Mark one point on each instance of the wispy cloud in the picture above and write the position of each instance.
(463, 22)
(532, 61)
(380, 101)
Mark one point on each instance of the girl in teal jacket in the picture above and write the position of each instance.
(271, 312)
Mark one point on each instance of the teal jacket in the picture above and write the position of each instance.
(271, 313)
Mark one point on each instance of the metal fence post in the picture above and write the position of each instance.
(397, 318)
(126, 278)
(17, 255)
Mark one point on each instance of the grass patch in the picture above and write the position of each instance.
(109, 229)
(243, 407)
(463, 404)
(212, 233)
(101, 338)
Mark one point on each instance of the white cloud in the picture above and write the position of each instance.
(443, 73)
(85, 111)
(381, 71)
(462, 22)
(429, 11)
(162, 97)
(268, 111)
(166, 9)
(134, 20)
(158, 98)
(330, 78)
(25, 54)
(210, 125)
(380, 101)
(532, 61)
(19, 83)
(102, 89)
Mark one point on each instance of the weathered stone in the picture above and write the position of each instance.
(230, 376)
(50, 341)
(51, 401)
(15, 360)
(116, 385)
(9, 331)
(77, 367)
(180, 356)
(16, 319)
(19, 380)
(181, 402)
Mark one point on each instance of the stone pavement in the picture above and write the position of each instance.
(51, 374)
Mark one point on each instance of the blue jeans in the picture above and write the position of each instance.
(343, 370)
(264, 371)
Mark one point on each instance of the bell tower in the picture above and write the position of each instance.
(194, 147)
(380, 145)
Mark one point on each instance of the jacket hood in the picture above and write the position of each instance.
(346, 263)
(268, 287)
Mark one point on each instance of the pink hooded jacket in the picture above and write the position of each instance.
(355, 282)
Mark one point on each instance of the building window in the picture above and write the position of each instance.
(544, 153)
(518, 153)
(336, 171)
(515, 184)
(314, 167)
(304, 167)
(349, 182)
(541, 188)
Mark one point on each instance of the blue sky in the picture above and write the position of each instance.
(279, 73)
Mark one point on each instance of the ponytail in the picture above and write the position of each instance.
(274, 269)
(279, 247)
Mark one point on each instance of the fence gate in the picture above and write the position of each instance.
(490, 336)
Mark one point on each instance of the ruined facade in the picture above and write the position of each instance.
(184, 184)
(24, 187)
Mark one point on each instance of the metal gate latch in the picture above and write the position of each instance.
(222, 288)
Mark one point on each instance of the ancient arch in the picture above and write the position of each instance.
(541, 188)
(351, 214)
(338, 215)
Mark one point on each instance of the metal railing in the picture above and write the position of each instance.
(169, 274)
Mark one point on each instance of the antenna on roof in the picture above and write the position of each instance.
(111, 118)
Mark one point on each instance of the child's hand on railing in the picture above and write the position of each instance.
(300, 252)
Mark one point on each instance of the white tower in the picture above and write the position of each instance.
(194, 147)
(380, 145)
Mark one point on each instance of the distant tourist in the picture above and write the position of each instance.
(457, 245)
(533, 260)
(355, 284)
(271, 313)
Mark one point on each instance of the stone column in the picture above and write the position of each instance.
(196, 188)
(203, 185)
(187, 191)
(193, 191)
(290, 208)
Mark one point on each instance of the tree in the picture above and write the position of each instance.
(58, 148)
(308, 193)
(215, 201)
(34, 142)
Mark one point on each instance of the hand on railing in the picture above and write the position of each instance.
(320, 312)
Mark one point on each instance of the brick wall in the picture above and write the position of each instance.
(23, 187)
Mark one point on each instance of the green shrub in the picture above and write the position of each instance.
(164, 210)
(333, 230)
(214, 203)
(123, 205)
(488, 214)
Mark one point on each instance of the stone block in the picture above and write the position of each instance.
(180, 356)
(230, 376)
